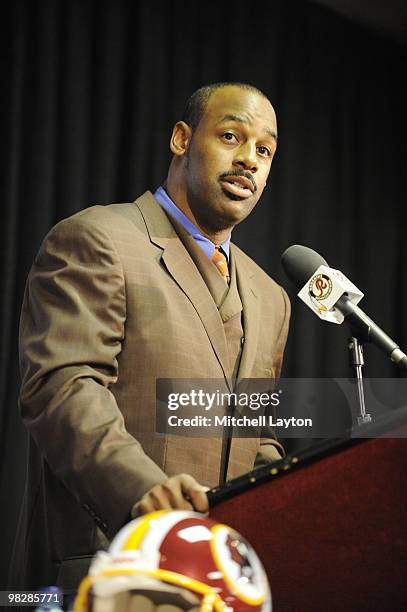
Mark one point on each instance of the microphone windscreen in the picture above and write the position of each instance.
(300, 262)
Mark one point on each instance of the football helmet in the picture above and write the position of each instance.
(184, 552)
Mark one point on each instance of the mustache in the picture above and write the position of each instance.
(235, 172)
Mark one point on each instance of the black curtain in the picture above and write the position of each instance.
(90, 93)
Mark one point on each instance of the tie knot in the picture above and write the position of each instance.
(220, 261)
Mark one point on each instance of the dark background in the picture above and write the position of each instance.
(90, 91)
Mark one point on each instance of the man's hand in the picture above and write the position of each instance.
(181, 492)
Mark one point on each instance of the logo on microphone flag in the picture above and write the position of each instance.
(323, 290)
(320, 287)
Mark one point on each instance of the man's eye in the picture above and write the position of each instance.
(229, 136)
(264, 151)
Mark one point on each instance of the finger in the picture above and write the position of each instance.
(199, 500)
(150, 502)
(160, 497)
(195, 492)
(144, 506)
(166, 496)
(175, 494)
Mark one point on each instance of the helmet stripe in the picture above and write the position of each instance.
(137, 535)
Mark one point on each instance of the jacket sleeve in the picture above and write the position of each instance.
(270, 448)
(72, 327)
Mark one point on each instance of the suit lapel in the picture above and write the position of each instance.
(183, 270)
(251, 314)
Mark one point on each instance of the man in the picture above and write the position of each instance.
(122, 295)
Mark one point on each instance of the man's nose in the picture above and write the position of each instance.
(246, 157)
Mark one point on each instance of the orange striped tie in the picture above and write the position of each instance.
(220, 261)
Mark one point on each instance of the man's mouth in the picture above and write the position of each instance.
(238, 186)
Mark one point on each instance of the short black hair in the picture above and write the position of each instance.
(196, 104)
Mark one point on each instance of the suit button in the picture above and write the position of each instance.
(101, 524)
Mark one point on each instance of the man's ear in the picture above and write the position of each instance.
(180, 138)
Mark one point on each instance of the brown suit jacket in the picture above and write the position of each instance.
(113, 302)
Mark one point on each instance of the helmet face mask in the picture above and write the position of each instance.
(180, 553)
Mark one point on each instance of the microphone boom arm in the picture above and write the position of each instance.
(366, 330)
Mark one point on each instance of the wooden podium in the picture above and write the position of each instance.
(330, 525)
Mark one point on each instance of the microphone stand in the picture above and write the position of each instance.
(357, 362)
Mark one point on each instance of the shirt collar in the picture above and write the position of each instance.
(203, 242)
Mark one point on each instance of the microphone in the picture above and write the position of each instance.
(333, 298)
